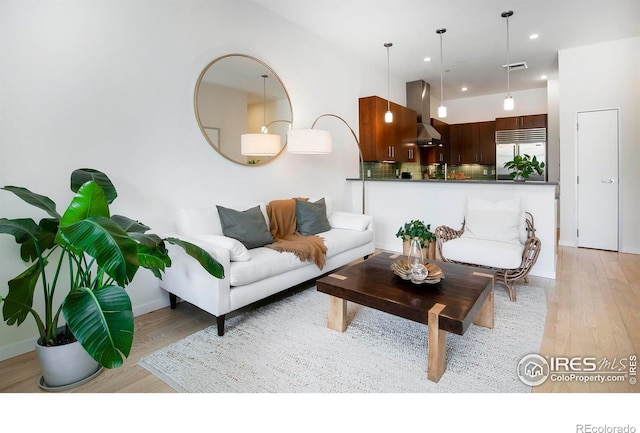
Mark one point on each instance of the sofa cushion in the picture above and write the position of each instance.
(248, 227)
(349, 221)
(501, 255)
(493, 221)
(311, 218)
(264, 263)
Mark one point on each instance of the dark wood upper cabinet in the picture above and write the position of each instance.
(521, 122)
(380, 141)
(473, 143)
(486, 143)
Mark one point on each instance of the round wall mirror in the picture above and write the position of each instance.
(237, 95)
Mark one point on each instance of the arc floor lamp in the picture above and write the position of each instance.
(317, 142)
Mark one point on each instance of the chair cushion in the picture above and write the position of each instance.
(493, 221)
(500, 255)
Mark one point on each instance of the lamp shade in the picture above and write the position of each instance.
(508, 103)
(260, 144)
(309, 141)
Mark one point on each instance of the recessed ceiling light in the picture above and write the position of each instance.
(534, 36)
(543, 77)
(427, 59)
(464, 89)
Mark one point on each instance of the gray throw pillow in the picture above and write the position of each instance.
(249, 226)
(311, 218)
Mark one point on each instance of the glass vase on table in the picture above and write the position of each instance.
(416, 261)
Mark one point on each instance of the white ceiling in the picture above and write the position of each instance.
(475, 43)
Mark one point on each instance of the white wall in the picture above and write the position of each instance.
(109, 85)
(594, 77)
(489, 107)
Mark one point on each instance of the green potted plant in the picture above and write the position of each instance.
(417, 229)
(523, 166)
(97, 255)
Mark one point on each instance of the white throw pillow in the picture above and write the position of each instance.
(493, 221)
(237, 251)
(344, 220)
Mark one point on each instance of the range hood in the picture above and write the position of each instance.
(419, 99)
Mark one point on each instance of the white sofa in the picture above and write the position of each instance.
(254, 274)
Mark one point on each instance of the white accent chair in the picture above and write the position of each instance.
(496, 235)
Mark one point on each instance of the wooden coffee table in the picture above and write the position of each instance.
(463, 297)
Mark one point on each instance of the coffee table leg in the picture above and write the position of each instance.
(485, 316)
(437, 360)
(337, 314)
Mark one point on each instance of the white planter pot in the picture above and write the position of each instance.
(66, 365)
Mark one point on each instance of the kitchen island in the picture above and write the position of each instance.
(392, 202)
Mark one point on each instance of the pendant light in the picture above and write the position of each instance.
(263, 128)
(442, 110)
(508, 101)
(388, 116)
(263, 144)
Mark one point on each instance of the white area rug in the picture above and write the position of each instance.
(285, 347)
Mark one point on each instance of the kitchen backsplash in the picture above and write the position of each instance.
(385, 170)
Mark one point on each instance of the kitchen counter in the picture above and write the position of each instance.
(465, 181)
(392, 202)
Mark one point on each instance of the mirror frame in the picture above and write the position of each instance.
(202, 127)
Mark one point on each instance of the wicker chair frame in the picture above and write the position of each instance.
(508, 277)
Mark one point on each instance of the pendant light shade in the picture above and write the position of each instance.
(262, 144)
(508, 101)
(442, 110)
(388, 116)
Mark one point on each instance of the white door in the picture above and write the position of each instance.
(598, 179)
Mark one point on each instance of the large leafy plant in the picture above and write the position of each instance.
(416, 229)
(523, 166)
(101, 254)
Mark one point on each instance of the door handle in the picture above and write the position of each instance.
(608, 181)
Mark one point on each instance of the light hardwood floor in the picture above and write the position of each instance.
(592, 311)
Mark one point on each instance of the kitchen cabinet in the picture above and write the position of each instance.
(380, 141)
(473, 143)
(521, 122)
(486, 143)
(438, 154)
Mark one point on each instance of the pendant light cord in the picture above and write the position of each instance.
(388, 86)
(508, 62)
(441, 31)
(264, 103)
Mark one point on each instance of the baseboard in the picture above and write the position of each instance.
(17, 348)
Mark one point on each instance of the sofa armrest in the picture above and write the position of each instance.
(188, 280)
(350, 221)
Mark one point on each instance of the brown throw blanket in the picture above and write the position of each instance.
(282, 216)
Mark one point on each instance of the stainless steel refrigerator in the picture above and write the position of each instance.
(532, 142)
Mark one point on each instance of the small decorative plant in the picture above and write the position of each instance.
(523, 166)
(416, 229)
(100, 253)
